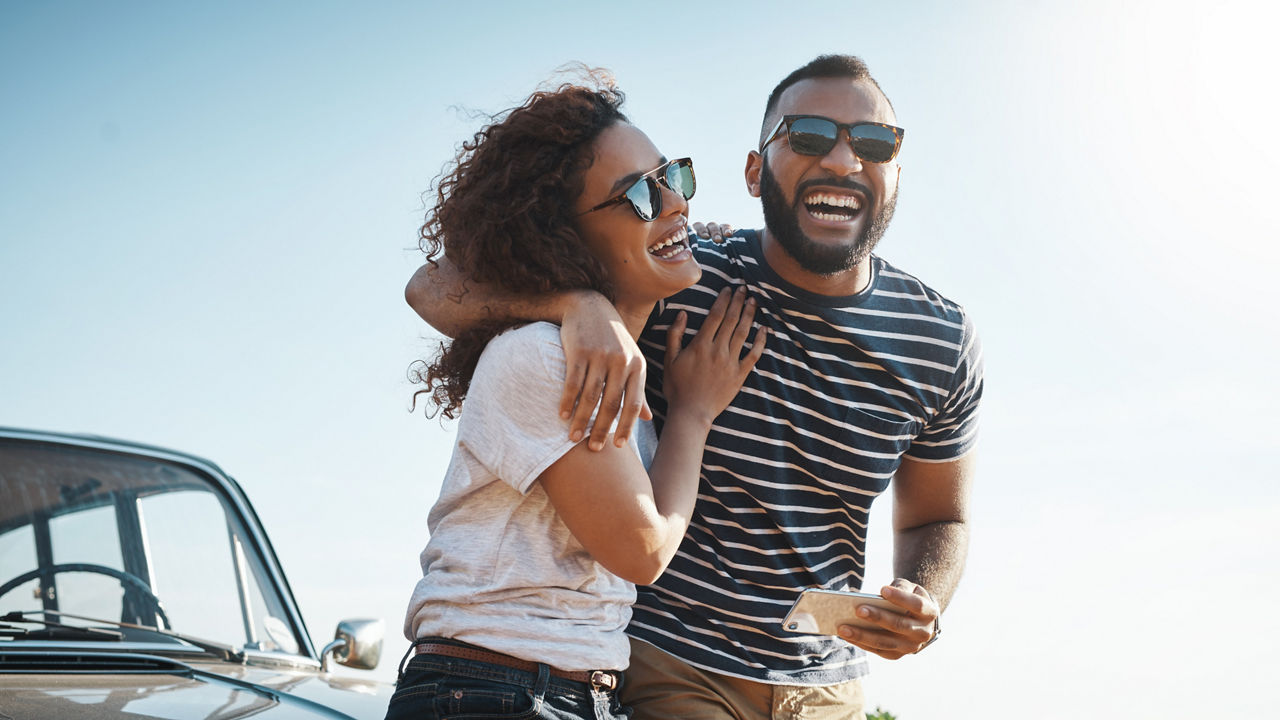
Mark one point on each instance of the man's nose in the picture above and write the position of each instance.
(841, 159)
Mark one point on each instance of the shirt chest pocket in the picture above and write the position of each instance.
(869, 446)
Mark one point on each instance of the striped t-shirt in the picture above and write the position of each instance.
(846, 387)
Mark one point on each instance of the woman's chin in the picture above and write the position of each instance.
(678, 273)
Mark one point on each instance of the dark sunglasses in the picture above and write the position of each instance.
(644, 194)
(816, 135)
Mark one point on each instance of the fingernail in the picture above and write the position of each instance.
(596, 445)
(845, 632)
(575, 436)
(864, 611)
(564, 415)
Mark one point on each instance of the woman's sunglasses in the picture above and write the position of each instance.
(646, 197)
(816, 135)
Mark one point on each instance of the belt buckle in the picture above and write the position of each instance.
(602, 679)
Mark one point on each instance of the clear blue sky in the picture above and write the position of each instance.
(208, 214)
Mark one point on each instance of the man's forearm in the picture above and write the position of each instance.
(451, 303)
(932, 556)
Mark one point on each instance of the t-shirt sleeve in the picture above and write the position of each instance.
(954, 430)
(510, 420)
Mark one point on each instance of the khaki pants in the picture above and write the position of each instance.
(659, 686)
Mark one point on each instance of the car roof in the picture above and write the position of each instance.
(92, 440)
(39, 461)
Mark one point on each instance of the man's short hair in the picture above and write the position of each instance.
(823, 66)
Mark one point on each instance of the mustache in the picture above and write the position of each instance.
(842, 183)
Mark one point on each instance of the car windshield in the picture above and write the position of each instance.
(136, 539)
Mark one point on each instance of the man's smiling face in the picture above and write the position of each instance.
(828, 212)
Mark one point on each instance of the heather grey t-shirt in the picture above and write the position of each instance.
(502, 570)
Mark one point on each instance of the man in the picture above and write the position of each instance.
(868, 376)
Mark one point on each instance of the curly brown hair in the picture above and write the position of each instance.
(504, 214)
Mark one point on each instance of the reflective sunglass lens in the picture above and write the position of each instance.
(680, 178)
(874, 143)
(645, 198)
(812, 136)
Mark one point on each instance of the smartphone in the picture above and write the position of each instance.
(822, 612)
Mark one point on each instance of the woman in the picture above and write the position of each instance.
(537, 541)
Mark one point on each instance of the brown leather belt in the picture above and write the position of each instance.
(598, 679)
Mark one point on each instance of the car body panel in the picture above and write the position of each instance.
(201, 692)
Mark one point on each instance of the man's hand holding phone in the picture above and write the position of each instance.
(907, 629)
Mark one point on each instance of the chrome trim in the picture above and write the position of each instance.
(335, 646)
(357, 643)
(258, 657)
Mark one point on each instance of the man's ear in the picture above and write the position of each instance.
(755, 163)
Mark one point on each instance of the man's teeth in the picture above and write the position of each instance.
(848, 201)
(822, 205)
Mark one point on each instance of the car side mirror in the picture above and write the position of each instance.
(356, 644)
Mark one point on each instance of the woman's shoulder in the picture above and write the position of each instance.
(529, 349)
(517, 381)
(536, 335)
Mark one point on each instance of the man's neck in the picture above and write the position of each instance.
(841, 284)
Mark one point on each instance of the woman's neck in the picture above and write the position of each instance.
(635, 315)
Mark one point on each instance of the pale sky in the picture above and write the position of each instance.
(208, 212)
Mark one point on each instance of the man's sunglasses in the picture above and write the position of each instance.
(816, 135)
(646, 197)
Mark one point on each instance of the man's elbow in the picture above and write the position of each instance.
(958, 525)
(417, 293)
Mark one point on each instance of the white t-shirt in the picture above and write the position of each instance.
(502, 570)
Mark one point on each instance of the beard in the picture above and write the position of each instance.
(815, 257)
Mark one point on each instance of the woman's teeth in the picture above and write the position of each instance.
(670, 247)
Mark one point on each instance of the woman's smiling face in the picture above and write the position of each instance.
(643, 262)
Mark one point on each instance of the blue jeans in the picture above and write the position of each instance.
(433, 687)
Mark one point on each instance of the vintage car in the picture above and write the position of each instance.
(137, 582)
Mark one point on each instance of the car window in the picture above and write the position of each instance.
(78, 538)
(18, 553)
(134, 539)
(191, 567)
(200, 568)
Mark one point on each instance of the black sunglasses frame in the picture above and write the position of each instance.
(652, 178)
(788, 120)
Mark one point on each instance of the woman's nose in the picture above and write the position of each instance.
(673, 202)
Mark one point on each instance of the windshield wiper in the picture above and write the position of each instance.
(54, 630)
(226, 652)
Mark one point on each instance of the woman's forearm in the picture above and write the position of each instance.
(675, 474)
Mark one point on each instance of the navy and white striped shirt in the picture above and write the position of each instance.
(846, 387)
